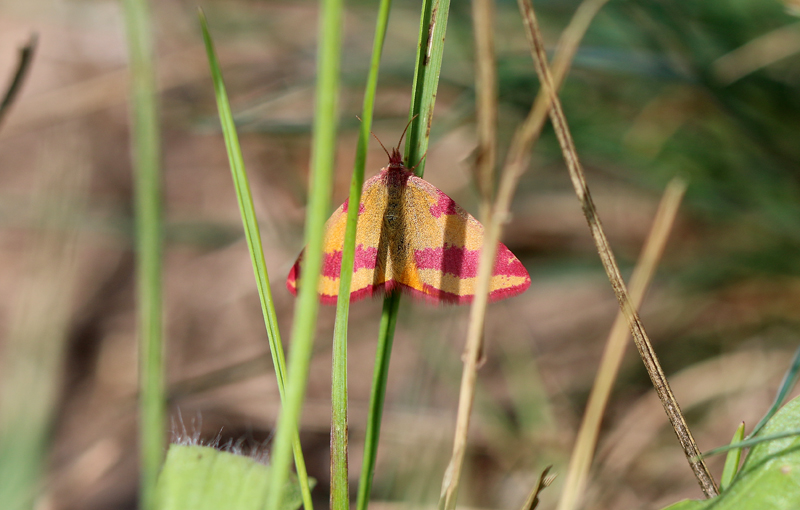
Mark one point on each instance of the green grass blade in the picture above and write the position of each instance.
(789, 380)
(340, 493)
(377, 396)
(253, 236)
(732, 460)
(305, 318)
(433, 24)
(145, 137)
(752, 441)
(39, 318)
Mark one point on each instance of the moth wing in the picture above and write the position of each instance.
(445, 243)
(369, 268)
(440, 244)
(331, 259)
(373, 202)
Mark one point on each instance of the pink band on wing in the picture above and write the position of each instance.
(507, 264)
(464, 263)
(347, 202)
(453, 260)
(364, 258)
(445, 205)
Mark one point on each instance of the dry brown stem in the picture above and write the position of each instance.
(515, 164)
(646, 351)
(586, 441)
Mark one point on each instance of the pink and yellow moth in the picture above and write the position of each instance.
(413, 238)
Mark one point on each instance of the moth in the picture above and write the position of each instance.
(413, 238)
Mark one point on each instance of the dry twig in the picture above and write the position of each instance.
(516, 162)
(646, 351)
(583, 451)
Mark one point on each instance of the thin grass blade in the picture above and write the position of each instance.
(146, 148)
(323, 155)
(789, 380)
(253, 237)
(340, 492)
(432, 29)
(433, 25)
(752, 442)
(23, 66)
(732, 460)
(377, 396)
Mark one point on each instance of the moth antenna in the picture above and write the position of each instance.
(420, 161)
(406, 129)
(378, 139)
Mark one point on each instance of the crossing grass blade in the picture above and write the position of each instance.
(789, 380)
(340, 493)
(145, 141)
(323, 155)
(433, 24)
(253, 236)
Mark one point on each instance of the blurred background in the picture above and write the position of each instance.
(709, 91)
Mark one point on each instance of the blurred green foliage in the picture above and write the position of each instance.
(201, 477)
(651, 96)
(770, 476)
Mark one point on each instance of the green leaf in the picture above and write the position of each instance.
(770, 476)
(203, 478)
(732, 460)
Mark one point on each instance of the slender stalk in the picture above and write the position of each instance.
(305, 319)
(486, 107)
(253, 237)
(646, 351)
(486, 86)
(432, 29)
(469, 375)
(545, 479)
(585, 443)
(340, 493)
(516, 162)
(145, 135)
(433, 25)
(519, 152)
(23, 66)
(340, 484)
(377, 396)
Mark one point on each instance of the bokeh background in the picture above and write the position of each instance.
(709, 91)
